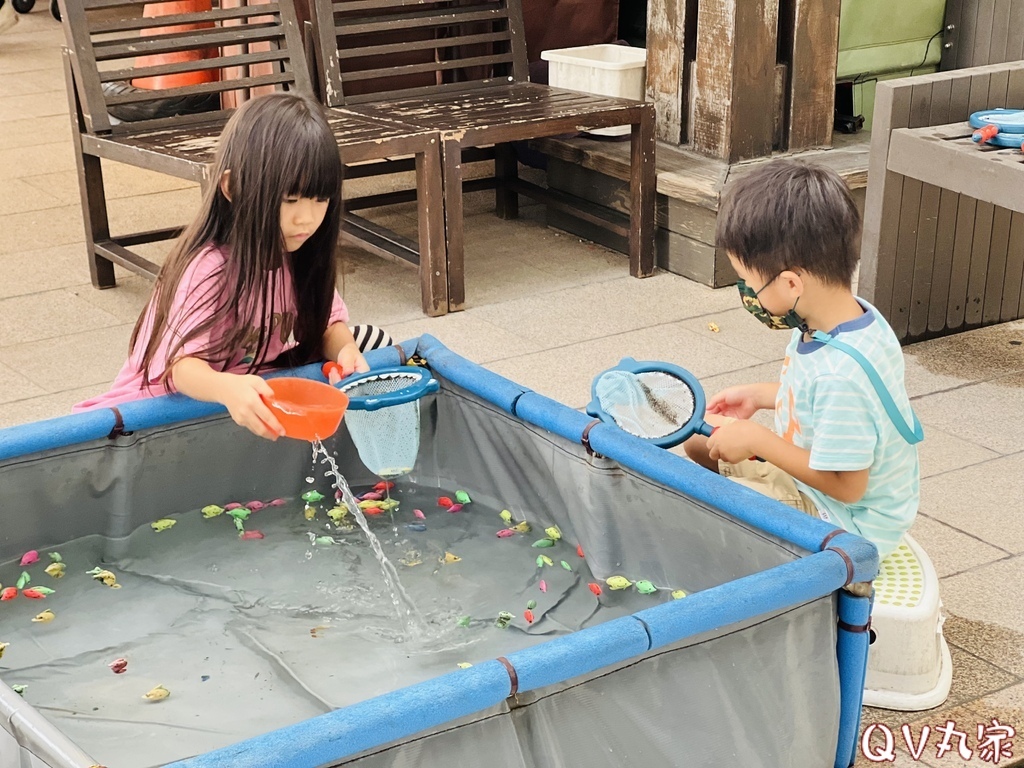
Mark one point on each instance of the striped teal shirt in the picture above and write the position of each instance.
(827, 405)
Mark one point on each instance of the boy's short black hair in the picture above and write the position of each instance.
(790, 215)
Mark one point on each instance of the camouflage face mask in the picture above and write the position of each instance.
(752, 304)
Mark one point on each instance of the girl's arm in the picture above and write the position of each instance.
(340, 345)
(240, 394)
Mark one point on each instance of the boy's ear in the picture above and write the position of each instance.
(793, 282)
(225, 184)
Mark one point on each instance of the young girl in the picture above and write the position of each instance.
(250, 284)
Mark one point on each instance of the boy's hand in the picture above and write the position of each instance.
(351, 361)
(241, 396)
(736, 441)
(742, 401)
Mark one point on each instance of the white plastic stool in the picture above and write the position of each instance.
(909, 666)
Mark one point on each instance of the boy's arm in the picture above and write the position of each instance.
(340, 345)
(744, 400)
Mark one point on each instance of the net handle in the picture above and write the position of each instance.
(424, 384)
(694, 426)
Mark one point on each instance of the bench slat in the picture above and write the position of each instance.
(408, 69)
(124, 48)
(156, 22)
(421, 45)
(363, 25)
(113, 75)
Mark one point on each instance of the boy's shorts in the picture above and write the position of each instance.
(769, 480)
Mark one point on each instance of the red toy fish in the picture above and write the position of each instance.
(579, 550)
(528, 615)
(30, 557)
(246, 535)
(276, 503)
(232, 505)
(118, 666)
(255, 506)
(9, 593)
(33, 594)
(595, 588)
(444, 501)
(383, 485)
(373, 511)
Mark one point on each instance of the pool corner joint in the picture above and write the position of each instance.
(585, 439)
(842, 553)
(513, 676)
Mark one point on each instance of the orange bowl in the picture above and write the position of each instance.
(308, 410)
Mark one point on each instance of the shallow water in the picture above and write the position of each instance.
(252, 635)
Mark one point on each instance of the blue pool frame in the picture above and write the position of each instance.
(834, 559)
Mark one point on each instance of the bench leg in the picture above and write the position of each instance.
(643, 179)
(506, 169)
(431, 207)
(451, 159)
(90, 186)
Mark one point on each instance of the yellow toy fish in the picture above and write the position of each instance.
(212, 510)
(553, 532)
(157, 694)
(107, 577)
(506, 517)
(387, 504)
(3, 647)
(546, 560)
(309, 512)
(449, 558)
(45, 617)
(464, 665)
(618, 582)
(56, 570)
(163, 524)
(370, 503)
(337, 514)
(678, 594)
(523, 527)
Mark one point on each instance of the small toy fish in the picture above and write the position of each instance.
(678, 594)
(528, 615)
(566, 566)
(212, 510)
(455, 508)
(373, 511)
(255, 506)
(337, 513)
(464, 665)
(42, 590)
(33, 594)
(45, 617)
(107, 577)
(464, 621)
(249, 535)
(412, 558)
(504, 617)
(312, 496)
(239, 525)
(545, 560)
(163, 524)
(372, 496)
(56, 570)
(232, 505)
(118, 666)
(241, 513)
(19, 689)
(506, 517)
(523, 527)
(324, 540)
(713, 327)
(646, 588)
(449, 558)
(595, 588)
(8, 593)
(55, 557)
(543, 586)
(462, 497)
(276, 503)
(368, 504)
(309, 512)
(505, 533)
(543, 543)
(338, 494)
(157, 694)
(444, 501)
(418, 514)
(23, 580)
(30, 558)
(618, 582)
(384, 485)
(418, 527)
(579, 550)
(388, 504)
(553, 532)
(3, 647)
(531, 604)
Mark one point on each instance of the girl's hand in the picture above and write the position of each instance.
(736, 441)
(351, 361)
(742, 401)
(241, 396)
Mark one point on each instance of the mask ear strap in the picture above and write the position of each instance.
(912, 436)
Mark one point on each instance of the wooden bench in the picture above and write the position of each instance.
(943, 246)
(262, 43)
(477, 94)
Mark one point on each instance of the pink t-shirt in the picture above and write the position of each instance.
(200, 294)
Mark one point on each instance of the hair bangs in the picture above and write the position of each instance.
(313, 163)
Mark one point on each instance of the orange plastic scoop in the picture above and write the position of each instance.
(308, 410)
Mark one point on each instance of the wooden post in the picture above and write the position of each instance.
(667, 69)
(812, 80)
(734, 106)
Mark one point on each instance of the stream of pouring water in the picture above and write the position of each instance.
(399, 597)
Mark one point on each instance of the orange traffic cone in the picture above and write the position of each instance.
(183, 79)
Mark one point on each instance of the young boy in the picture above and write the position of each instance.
(839, 449)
